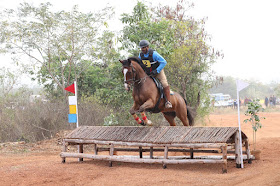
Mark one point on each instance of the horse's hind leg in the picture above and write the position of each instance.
(170, 116)
(183, 116)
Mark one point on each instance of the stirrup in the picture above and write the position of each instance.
(168, 104)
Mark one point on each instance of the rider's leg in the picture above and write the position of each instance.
(162, 78)
(166, 91)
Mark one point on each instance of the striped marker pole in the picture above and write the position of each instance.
(73, 104)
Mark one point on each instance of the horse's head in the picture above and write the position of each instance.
(129, 73)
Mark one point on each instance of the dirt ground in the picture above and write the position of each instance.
(40, 164)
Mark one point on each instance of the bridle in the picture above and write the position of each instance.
(133, 74)
(133, 80)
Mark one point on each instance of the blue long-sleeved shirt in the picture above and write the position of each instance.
(157, 57)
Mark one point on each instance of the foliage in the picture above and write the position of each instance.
(141, 25)
(60, 44)
(182, 41)
(110, 120)
(254, 107)
(8, 80)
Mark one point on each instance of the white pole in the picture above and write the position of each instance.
(240, 136)
(76, 95)
(77, 124)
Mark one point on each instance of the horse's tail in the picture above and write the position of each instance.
(190, 114)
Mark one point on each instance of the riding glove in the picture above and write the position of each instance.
(154, 73)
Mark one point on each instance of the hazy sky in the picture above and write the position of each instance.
(246, 31)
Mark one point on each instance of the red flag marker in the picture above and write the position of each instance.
(71, 88)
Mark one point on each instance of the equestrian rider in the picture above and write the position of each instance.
(155, 63)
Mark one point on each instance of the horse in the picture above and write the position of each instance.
(146, 96)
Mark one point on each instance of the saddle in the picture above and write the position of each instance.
(161, 93)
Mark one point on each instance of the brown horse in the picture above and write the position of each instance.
(146, 95)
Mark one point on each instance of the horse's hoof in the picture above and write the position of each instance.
(149, 123)
(142, 123)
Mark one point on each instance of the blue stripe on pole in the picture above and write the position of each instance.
(72, 118)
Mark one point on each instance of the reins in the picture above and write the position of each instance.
(135, 80)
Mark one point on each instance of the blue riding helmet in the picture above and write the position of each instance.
(144, 43)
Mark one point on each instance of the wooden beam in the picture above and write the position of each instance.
(151, 152)
(64, 149)
(237, 150)
(111, 154)
(139, 160)
(100, 149)
(140, 152)
(81, 150)
(95, 149)
(119, 143)
(224, 151)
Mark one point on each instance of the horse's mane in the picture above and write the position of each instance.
(138, 60)
(134, 58)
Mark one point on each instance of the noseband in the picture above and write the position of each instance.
(133, 75)
(133, 80)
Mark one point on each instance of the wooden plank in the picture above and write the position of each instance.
(248, 151)
(81, 150)
(111, 154)
(64, 149)
(187, 145)
(138, 160)
(224, 151)
(237, 150)
(156, 134)
(95, 151)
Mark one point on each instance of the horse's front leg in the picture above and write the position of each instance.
(143, 122)
(147, 104)
(132, 111)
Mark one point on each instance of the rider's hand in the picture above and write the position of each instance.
(154, 73)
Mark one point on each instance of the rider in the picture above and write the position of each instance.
(155, 63)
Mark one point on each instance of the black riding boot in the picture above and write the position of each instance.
(166, 91)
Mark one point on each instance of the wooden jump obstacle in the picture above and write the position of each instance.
(194, 140)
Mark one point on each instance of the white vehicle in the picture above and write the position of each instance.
(221, 100)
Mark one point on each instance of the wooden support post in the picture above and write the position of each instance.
(111, 154)
(165, 156)
(248, 151)
(224, 151)
(191, 153)
(140, 152)
(151, 152)
(81, 150)
(64, 149)
(237, 150)
(95, 151)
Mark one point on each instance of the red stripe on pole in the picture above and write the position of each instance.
(71, 88)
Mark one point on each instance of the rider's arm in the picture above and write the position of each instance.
(160, 59)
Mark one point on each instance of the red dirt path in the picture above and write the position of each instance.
(40, 164)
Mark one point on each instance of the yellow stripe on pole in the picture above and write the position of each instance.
(72, 109)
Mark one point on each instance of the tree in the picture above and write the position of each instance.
(8, 81)
(141, 25)
(61, 44)
(182, 41)
(254, 107)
